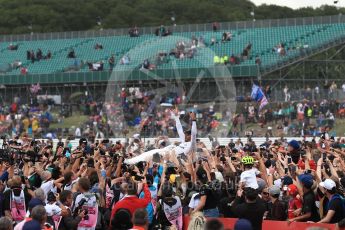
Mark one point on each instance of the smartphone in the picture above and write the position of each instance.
(293, 168)
(307, 171)
(324, 157)
(286, 170)
(289, 160)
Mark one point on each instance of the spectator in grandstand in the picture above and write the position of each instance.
(32, 56)
(49, 55)
(71, 53)
(125, 60)
(245, 54)
(28, 55)
(257, 60)
(133, 32)
(98, 46)
(111, 62)
(213, 41)
(215, 26)
(39, 54)
(226, 36)
(24, 70)
(12, 46)
(98, 66)
(16, 64)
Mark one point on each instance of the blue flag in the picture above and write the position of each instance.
(259, 96)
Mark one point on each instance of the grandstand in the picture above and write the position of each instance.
(314, 34)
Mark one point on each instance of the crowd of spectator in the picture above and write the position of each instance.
(30, 55)
(92, 186)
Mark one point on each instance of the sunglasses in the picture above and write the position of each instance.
(265, 193)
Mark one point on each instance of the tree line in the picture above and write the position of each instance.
(27, 16)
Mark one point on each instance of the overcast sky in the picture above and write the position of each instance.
(300, 3)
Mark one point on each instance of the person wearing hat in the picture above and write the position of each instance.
(295, 203)
(278, 211)
(335, 207)
(309, 209)
(248, 176)
(243, 224)
(294, 150)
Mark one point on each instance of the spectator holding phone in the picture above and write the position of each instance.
(335, 206)
(309, 209)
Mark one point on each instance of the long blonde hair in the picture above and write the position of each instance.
(197, 222)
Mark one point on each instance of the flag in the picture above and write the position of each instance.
(258, 96)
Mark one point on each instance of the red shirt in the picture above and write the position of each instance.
(132, 203)
(294, 204)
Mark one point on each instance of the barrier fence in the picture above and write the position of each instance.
(267, 224)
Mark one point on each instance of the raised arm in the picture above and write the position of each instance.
(179, 127)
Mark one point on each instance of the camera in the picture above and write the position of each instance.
(79, 209)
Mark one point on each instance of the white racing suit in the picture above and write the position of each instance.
(183, 148)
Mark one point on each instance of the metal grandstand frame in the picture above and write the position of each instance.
(179, 28)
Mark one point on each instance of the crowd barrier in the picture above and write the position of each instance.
(229, 223)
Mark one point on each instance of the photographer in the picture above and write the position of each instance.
(16, 200)
(87, 202)
(48, 184)
(70, 221)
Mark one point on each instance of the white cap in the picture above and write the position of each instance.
(278, 183)
(328, 184)
(136, 136)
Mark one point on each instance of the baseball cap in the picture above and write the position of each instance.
(294, 144)
(274, 190)
(287, 180)
(243, 224)
(82, 140)
(292, 190)
(306, 179)
(136, 136)
(328, 184)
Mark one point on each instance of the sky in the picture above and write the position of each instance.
(295, 4)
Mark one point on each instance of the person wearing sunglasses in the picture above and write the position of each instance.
(265, 196)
